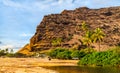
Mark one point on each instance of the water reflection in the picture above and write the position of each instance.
(75, 69)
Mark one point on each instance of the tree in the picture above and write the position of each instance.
(98, 36)
(6, 50)
(11, 51)
(2, 52)
(88, 39)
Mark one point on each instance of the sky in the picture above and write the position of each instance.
(19, 18)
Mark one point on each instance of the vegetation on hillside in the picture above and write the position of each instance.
(92, 36)
(88, 39)
(98, 36)
(56, 41)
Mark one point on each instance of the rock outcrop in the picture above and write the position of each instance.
(67, 27)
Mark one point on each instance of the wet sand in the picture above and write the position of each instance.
(31, 65)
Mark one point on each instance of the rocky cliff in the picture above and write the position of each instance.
(64, 29)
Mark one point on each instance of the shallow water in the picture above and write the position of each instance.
(76, 69)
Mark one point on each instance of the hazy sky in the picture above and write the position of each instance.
(19, 18)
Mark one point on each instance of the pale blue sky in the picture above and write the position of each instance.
(19, 18)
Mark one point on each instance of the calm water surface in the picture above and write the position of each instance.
(75, 69)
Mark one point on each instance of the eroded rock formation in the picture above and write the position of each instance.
(67, 26)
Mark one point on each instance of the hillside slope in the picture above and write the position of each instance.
(66, 28)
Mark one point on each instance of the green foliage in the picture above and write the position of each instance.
(10, 55)
(75, 54)
(88, 39)
(57, 41)
(2, 53)
(53, 53)
(98, 36)
(7, 53)
(11, 51)
(19, 55)
(88, 50)
(78, 54)
(61, 53)
(92, 36)
(101, 59)
(64, 55)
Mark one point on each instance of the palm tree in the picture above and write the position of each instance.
(6, 50)
(98, 36)
(11, 51)
(87, 40)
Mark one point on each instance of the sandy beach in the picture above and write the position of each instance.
(31, 65)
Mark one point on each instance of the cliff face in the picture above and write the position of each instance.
(67, 27)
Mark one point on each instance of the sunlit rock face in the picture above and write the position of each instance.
(67, 26)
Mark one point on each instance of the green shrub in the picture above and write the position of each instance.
(75, 54)
(53, 53)
(2, 53)
(19, 55)
(64, 55)
(10, 55)
(60, 53)
(88, 50)
(6, 52)
(78, 54)
(101, 59)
